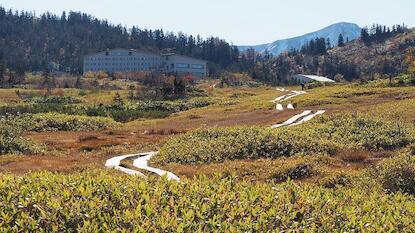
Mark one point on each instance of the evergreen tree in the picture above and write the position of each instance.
(2, 68)
(118, 101)
(340, 42)
(48, 81)
(328, 44)
(409, 62)
(365, 37)
(78, 83)
(74, 32)
(131, 90)
(179, 86)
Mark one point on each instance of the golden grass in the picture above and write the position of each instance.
(8, 96)
(265, 170)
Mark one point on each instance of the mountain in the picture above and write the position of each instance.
(332, 32)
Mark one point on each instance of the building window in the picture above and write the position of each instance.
(198, 66)
(182, 65)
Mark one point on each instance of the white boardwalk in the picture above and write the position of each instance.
(297, 119)
(140, 161)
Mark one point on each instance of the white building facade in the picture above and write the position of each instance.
(124, 60)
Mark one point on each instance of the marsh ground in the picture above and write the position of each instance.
(236, 106)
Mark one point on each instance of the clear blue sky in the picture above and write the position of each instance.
(243, 22)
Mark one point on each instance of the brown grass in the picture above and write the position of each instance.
(167, 131)
(84, 138)
(353, 156)
(265, 170)
(8, 96)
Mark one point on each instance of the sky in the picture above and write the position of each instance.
(242, 22)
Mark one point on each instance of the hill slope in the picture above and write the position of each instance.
(385, 57)
(332, 32)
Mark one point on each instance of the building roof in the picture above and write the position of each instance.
(197, 59)
(314, 77)
(127, 50)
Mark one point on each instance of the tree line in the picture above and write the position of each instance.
(314, 58)
(379, 33)
(31, 43)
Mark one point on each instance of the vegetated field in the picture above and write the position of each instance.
(352, 169)
(91, 201)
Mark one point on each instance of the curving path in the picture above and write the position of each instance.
(299, 118)
(278, 101)
(140, 161)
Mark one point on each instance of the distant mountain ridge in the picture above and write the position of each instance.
(349, 31)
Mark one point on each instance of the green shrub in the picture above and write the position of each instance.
(124, 113)
(397, 174)
(220, 144)
(100, 201)
(43, 122)
(338, 180)
(11, 140)
(54, 100)
(298, 172)
(359, 131)
(328, 134)
(173, 106)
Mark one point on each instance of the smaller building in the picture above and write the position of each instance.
(182, 65)
(303, 78)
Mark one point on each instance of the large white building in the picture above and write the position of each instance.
(124, 60)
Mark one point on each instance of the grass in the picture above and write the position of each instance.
(8, 96)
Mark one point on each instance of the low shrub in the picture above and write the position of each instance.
(124, 113)
(43, 122)
(298, 172)
(54, 100)
(12, 141)
(338, 180)
(174, 106)
(329, 134)
(36, 108)
(363, 132)
(397, 174)
(220, 144)
(100, 201)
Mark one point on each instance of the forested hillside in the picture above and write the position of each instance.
(378, 51)
(29, 42)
